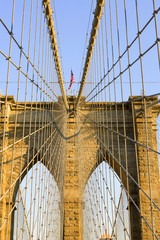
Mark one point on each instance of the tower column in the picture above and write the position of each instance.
(148, 166)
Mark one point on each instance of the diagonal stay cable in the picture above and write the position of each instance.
(62, 135)
(50, 24)
(122, 135)
(95, 25)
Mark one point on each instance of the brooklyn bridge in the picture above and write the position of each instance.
(80, 163)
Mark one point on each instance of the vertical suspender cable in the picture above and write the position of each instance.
(95, 25)
(50, 24)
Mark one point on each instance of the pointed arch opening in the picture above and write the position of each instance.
(105, 206)
(37, 206)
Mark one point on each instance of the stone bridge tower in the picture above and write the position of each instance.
(78, 170)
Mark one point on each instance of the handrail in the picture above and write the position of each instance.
(50, 24)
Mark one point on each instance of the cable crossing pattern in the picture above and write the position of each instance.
(82, 166)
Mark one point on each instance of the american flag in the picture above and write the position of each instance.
(72, 80)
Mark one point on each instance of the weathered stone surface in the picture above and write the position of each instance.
(80, 160)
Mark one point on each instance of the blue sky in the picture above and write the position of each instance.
(72, 18)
